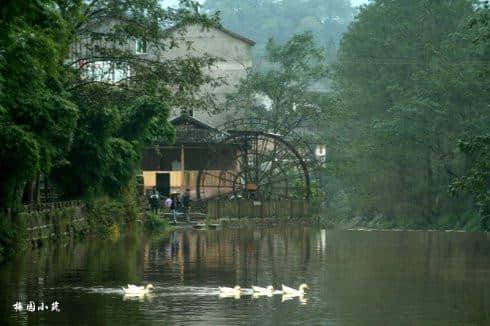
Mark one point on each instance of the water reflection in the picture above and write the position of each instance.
(301, 298)
(356, 278)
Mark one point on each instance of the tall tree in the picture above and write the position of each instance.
(409, 75)
(37, 119)
(284, 94)
(476, 179)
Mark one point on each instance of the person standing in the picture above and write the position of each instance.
(173, 208)
(186, 203)
(155, 201)
(168, 204)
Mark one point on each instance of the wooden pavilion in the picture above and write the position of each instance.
(174, 168)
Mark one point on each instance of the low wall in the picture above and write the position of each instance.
(54, 220)
(258, 209)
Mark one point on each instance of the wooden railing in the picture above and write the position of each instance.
(42, 207)
(51, 220)
(258, 209)
(50, 206)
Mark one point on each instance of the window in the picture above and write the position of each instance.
(106, 71)
(140, 46)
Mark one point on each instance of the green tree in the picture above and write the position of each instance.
(412, 85)
(476, 180)
(108, 146)
(287, 87)
(119, 117)
(105, 33)
(48, 81)
(36, 117)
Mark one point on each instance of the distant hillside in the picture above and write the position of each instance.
(263, 19)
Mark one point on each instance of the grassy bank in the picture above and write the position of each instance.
(157, 224)
(103, 217)
(12, 235)
(470, 223)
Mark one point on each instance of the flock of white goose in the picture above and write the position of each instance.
(235, 292)
(260, 291)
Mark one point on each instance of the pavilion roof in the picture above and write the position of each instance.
(190, 130)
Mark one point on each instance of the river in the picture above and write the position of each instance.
(354, 278)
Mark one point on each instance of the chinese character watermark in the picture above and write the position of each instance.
(55, 306)
(42, 307)
(32, 307)
(18, 306)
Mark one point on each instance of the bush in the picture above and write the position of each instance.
(113, 232)
(154, 222)
(12, 236)
(103, 213)
(129, 203)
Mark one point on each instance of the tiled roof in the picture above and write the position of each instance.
(224, 30)
(190, 130)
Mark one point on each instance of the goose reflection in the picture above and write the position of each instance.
(230, 295)
(301, 298)
(138, 297)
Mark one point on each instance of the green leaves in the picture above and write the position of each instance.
(413, 78)
(37, 119)
(118, 118)
(122, 161)
(20, 156)
(284, 88)
(476, 181)
(106, 35)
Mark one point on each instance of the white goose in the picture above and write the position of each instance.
(270, 288)
(137, 290)
(225, 292)
(258, 291)
(286, 290)
(230, 291)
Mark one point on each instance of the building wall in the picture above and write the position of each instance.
(210, 184)
(214, 42)
(236, 60)
(234, 54)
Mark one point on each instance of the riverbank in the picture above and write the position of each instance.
(37, 225)
(262, 222)
(447, 223)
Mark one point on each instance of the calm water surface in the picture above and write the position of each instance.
(355, 278)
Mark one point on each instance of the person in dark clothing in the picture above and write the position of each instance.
(174, 206)
(154, 202)
(186, 203)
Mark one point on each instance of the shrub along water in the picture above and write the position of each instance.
(12, 236)
(157, 223)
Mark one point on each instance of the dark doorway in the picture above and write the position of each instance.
(163, 183)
